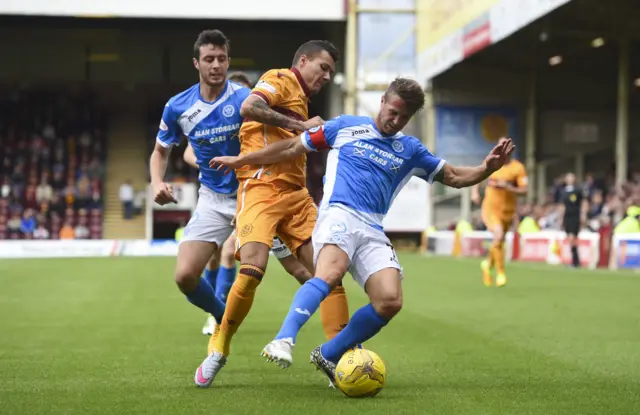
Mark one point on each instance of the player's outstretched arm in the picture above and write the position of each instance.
(273, 153)
(256, 109)
(462, 176)
(189, 157)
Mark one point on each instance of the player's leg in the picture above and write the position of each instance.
(572, 228)
(210, 274)
(385, 294)
(192, 259)
(498, 245)
(332, 264)
(227, 271)
(258, 214)
(207, 229)
(289, 262)
(333, 245)
(334, 310)
(494, 226)
(375, 267)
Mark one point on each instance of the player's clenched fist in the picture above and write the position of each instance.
(163, 193)
(314, 122)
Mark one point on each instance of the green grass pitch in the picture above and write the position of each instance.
(114, 336)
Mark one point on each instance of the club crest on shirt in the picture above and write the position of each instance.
(228, 111)
(397, 146)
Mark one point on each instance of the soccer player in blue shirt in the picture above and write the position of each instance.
(208, 113)
(369, 162)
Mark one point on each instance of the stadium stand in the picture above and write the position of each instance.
(53, 152)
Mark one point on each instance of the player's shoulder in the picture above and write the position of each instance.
(237, 90)
(282, 73)
(183, 100)
(345, 121)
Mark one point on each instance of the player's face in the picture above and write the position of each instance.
(317, 71)
(393, 115)
(570, 179)
(212, 65)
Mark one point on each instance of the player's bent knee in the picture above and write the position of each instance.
(388, 305)
(255, 253)
(187, 278)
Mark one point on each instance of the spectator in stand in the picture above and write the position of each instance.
(41, 233)
(81, 230)
(70, 191)
(67, 231)
(58, 182)
(126, 197)
(28, 224)
(14, 224)
(30, 201)
(44, 191)
(4, 232)
(5, 187)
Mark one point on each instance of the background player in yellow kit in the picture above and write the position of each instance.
(498, 211)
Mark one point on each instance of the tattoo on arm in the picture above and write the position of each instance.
(261, 112)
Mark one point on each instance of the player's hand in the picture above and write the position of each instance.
(499, 154)
(226, 164)
(314, 122)
(163, 194)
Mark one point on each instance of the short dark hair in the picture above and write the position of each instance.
(315, 47)
(210, 37)
(240, 77)
(409, 91)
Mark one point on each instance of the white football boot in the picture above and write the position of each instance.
(279, 352)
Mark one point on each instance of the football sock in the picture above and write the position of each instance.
(212, 339)
(491, 257)
(224, 281)
(239, 303)
(205, 298)
(334, 312)
(499, 258)
(210, 275)
(305, 303)
(364, 324)
(575, 257)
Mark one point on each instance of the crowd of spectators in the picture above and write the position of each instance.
(52, 154)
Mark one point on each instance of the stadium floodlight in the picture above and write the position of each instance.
(555, 60)
(597, 42)
(637, 82)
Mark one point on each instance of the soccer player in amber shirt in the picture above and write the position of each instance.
(498, 211)
(273, 199)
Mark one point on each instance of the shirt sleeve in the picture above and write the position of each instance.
(272, 87)
(323, 137)
(428, 164)
(169, 130)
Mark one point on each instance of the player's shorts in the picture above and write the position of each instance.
(279, 249)
(212, 219)
(368, 248)
(266, 209)
(571, 225)
(493, 219)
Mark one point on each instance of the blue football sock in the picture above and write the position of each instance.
(224, 281)
(211, 275)
(204, 297)
(305, 303)
(364, 324)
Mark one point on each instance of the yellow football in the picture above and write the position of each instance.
(360, 373)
